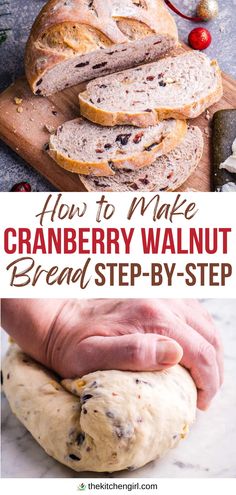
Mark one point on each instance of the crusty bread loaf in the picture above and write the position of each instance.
(86, 148)
(75, 40)
(167, 173)
(174, 87)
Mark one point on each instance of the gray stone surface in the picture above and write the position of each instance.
(12, 168)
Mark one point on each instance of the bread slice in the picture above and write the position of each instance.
(175, 87)
(167, 173)
(86, 148)
(76, 40)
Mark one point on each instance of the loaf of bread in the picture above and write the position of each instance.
(72, 41)
(167, 173)
(174, 87)
(86, 148)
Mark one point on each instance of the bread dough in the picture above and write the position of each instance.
(106, 421)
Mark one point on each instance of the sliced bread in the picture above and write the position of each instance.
(167, 173)
(175, 87)
(76, 40)
(86, 148)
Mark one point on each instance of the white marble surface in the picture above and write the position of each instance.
(209, 451)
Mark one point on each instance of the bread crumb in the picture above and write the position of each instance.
(18, 100)
(19, 109)
(207, 131)
(207, 115)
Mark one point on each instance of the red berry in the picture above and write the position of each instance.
(199, 38)
(21, 187)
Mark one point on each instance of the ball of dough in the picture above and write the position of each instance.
(105, 421)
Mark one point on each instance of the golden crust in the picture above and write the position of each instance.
(145, 119)
(55, 15)
(136, 161)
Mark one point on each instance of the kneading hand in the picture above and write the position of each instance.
(137, 335)
(76, 337)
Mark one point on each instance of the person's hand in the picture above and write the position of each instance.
(137, 335)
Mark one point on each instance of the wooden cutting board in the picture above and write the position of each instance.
(24, 128)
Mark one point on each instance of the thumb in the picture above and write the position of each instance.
(134, 352)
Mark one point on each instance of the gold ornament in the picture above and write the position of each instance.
(207, 9)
